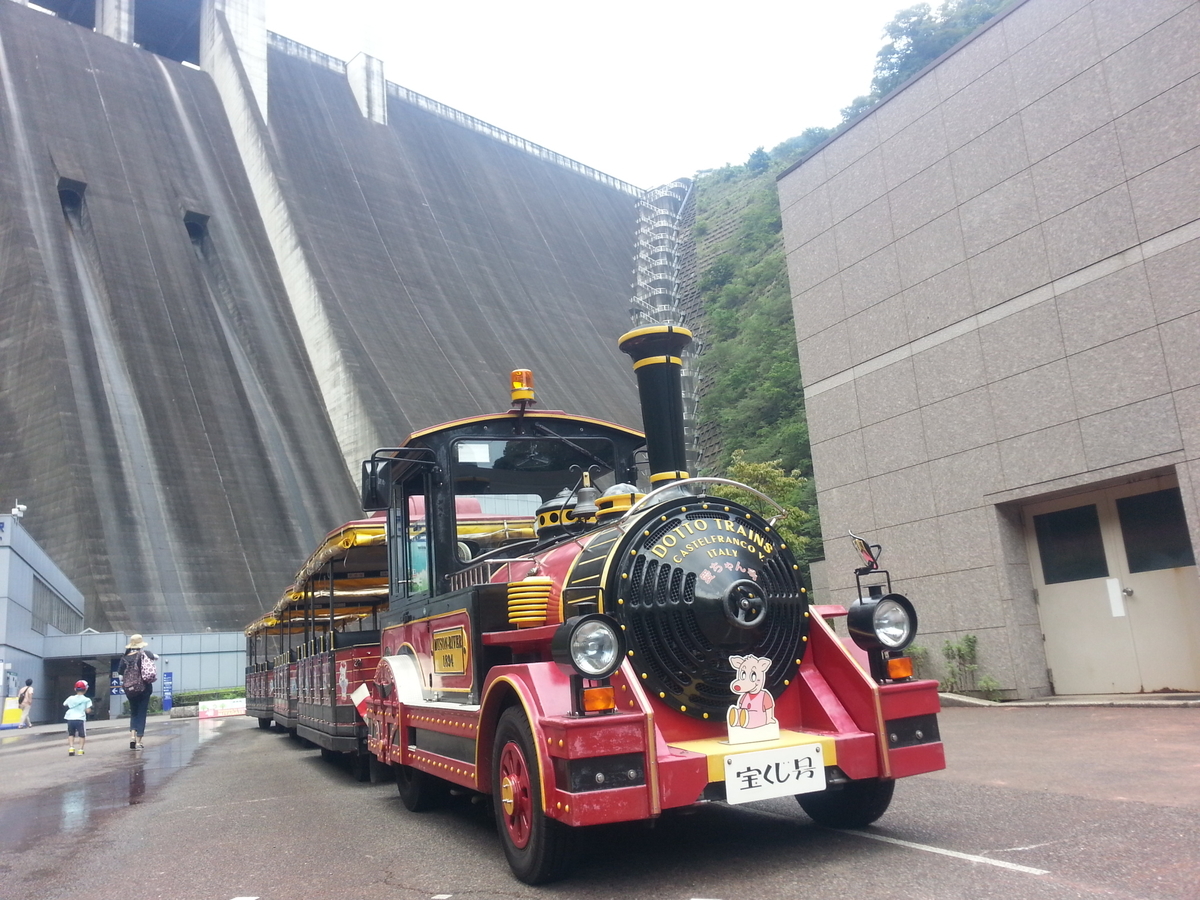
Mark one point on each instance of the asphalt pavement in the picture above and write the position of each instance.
(1055, 800)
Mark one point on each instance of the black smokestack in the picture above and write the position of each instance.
(656, 353)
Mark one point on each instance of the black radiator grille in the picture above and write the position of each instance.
(673, 598)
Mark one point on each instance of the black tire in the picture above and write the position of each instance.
(419, 791)
(378, 772)
(264, 724)
(539, 849)
(362, 765)
(855, 804)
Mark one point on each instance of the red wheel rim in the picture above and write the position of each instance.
(515, 801)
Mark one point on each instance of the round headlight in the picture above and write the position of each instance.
(594, 648)
(592, 645)
(882, 623)
(893, 625)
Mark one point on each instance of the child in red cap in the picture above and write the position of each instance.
(78, 706)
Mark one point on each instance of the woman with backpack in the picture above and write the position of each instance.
(138, 673)
(25, 702)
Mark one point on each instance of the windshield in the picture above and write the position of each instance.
(499, 484)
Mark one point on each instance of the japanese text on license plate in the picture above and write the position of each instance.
(774, 773)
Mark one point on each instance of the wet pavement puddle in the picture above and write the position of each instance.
(82, 805)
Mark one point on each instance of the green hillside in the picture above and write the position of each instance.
(752, 407)
(751, 417)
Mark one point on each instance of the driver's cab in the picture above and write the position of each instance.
(482, 489)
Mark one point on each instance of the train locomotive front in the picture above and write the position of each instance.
(588, 642)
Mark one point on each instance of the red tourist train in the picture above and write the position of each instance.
(531, 614)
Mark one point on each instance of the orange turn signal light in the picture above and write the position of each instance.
(599, 699)
(901, 667)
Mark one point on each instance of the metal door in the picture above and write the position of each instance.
(1118, 592)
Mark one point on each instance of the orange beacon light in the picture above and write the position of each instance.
(522, 386)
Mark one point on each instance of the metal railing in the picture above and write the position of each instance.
(482, 572)
(301, 51)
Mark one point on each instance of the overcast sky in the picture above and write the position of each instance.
(645, 90)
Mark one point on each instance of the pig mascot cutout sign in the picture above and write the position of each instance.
(752, 717)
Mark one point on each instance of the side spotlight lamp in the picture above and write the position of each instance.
(884, 626)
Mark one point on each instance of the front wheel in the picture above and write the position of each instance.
(377, 772)
(855, 804)
(538, 848)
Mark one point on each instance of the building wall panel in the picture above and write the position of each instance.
(1040, 188)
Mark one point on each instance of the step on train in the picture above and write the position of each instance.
(546, 609)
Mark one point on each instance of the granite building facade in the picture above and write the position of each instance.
(996, 286)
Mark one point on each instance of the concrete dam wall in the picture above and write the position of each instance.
(212, 306)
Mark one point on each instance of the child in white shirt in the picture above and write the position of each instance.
(78, 706)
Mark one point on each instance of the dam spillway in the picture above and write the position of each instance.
(213, 305)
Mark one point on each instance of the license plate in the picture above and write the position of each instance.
(764, 774)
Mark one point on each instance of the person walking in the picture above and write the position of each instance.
(138, 673)
(78, 706)
(25, 702)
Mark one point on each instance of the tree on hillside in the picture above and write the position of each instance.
(751, 369)
(752, 397)
(799, 527)
(759, 161)
(916, 37)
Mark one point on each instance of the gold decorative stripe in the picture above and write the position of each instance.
(885, 760)
(665, 476)
(658, 361)
(654, 329)
(529, 416)
(594, 556)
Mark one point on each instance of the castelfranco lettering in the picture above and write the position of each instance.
(716, 537)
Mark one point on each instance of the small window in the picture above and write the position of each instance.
(49, 609)
(1155, 531)
(1070, 545)
(411, 556)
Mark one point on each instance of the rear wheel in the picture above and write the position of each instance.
(419, 790)
(853, 805)
(264, 723)
(362, 765)
(538, 848)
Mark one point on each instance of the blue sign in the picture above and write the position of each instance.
(114, 680)
(167, 691)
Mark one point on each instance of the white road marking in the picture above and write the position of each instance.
(1030, 847)
(967, 856)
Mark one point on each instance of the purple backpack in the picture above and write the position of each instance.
(132, 681)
